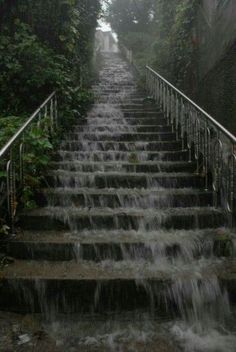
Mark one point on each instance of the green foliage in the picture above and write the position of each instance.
(38, 150)
(9, 126)
(130, 16)
(165, 39)
(36, 161)
(23, 57)
(45, 45)
(182, 43)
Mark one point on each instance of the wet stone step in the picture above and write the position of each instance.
(139, 109)
(86, 197)
(119, 109)
(120, 97)
(130, 86)
(122, 137)
(122, 146)
(139, 156)
(143, 167)
(67, 287)
(120, 100)
(76, 296)
(133, 93)
(118, 128)
(113, 245)
(127, 95)
(144, 114)
(58, 218)
(143, 106)
(105, 111)
(114, 88)
(99, 180)
(113, 120)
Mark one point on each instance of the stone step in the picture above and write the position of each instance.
(144, 114)
(120, 91)
(139, 108)
(140, 156)
(120, 95)
(62, 218)
(130, 198)
(63, 178)
(125, 113)
(115, 86)
(143, 106)
(120, 100)
(114, 120)
(106, 111)
(71, 287)
(112, 245)
(143, 167)
(128, 146)
(121, 137)
(118, 128)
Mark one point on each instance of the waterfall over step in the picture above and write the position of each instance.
(124, 250)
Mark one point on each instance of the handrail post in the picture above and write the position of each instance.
(14, 166)
(214, 146)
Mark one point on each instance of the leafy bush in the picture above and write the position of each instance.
(36, 161)
(45, 45)
(26, 66)
(9, 126)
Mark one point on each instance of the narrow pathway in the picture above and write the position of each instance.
(125, 232)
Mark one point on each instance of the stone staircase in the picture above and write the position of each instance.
(123, 218)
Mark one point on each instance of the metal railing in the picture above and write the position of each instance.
(12, 155)
(207, 141)
(128, 54)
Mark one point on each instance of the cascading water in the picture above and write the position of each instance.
(130, 201)
(185, 256)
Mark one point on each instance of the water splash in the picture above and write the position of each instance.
(91, 180)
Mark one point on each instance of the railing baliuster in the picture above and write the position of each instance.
(208, 142)
(12, 155)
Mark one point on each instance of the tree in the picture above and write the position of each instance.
(159, 32)
(130, 15)
(44, 45)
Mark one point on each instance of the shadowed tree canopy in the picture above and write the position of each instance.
(131, 15)
(44, 44)
(159, 32)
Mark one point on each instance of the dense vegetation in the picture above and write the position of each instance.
(45, 45)
(160, 33)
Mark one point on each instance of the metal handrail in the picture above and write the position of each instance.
(22, 129)
(9, 155)
(211, 145)
(216, 123)
(129, 57)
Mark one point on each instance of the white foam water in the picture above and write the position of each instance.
(212, 339)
